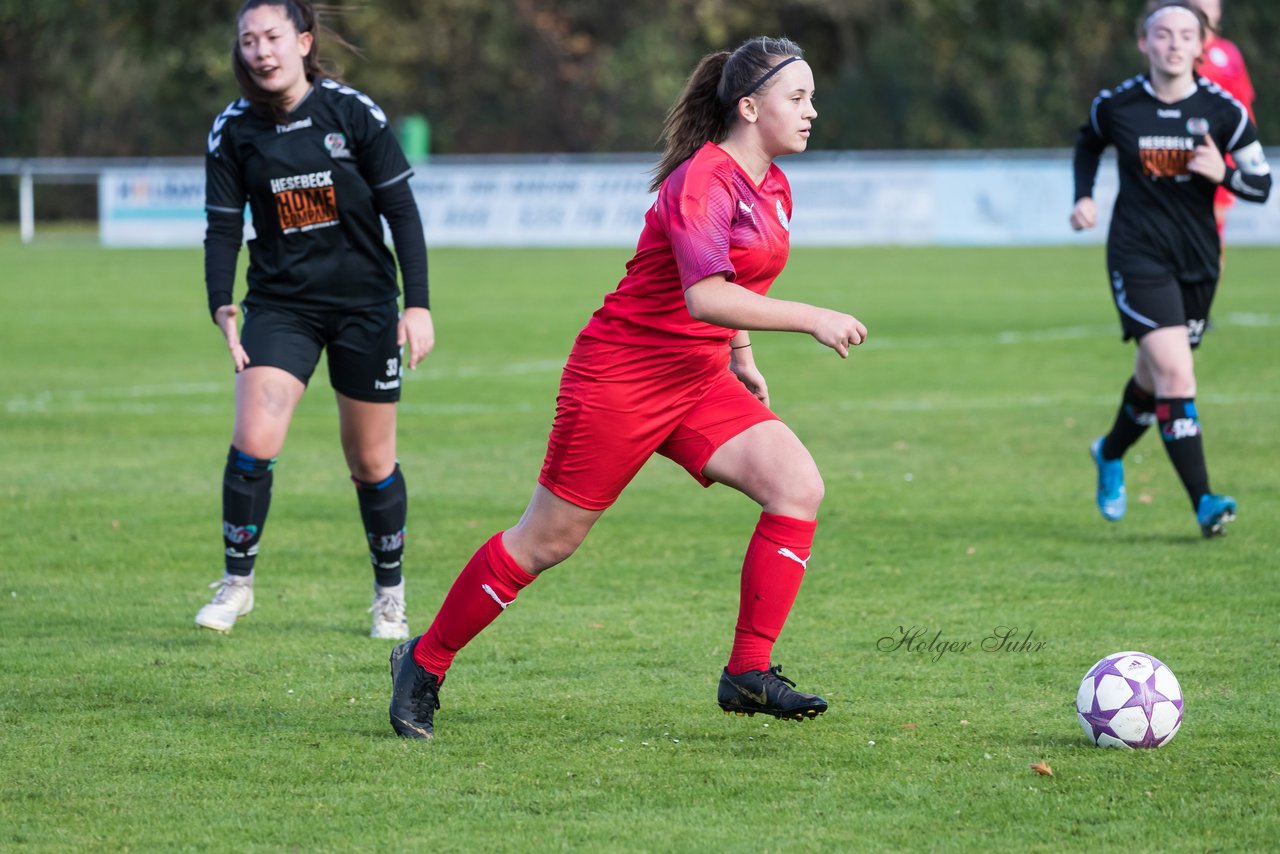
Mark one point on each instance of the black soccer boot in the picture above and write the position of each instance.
(415, 694)
(767, 692)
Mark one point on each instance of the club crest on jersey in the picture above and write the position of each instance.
(336, 143)
(782, 216)
(1197, 126)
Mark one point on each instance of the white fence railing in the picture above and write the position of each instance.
(841, 199)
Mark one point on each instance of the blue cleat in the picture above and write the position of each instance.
(1214, 512)
(1111, 500)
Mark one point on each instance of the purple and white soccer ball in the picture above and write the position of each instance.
(1129, 699)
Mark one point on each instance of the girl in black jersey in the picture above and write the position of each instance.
(1170, 130)
(319, 168)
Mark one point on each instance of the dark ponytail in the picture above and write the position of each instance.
(306, 18)
(696, 116)
(708, 104)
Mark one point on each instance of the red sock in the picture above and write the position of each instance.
(486, 586)
(771, 576)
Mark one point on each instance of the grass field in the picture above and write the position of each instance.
(959, 499)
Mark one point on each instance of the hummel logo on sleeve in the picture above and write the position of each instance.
(232, 110)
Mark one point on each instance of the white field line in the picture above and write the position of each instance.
(446, 410)
(132, 400)
(182, 397)
(970, 404)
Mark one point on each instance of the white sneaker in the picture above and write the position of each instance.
(233, 599)
(389, 621)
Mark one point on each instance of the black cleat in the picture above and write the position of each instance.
(415, 694)
(767, 692)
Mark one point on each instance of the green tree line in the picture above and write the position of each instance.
(145, 78)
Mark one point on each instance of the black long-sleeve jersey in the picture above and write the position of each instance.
(315, 187)
(1163, 219)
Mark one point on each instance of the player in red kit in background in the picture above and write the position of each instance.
(1222, 63)
(665, 366)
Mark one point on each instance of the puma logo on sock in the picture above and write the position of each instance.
(790, 555)
(494, 596)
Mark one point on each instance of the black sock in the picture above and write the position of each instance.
(246, 497)
(384, 507)
(1180, 429)
(1137, 413)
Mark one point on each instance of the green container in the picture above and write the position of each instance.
(414, 133)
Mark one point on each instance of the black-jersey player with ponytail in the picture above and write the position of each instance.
(1170, 130)
(319, 168)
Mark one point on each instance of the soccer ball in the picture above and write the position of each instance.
(1129, 699)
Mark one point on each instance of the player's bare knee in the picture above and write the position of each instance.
(274, 397)
(536, 551)
(1176, 383)
(560, 546)
(812, 490)
(370, 468)
(798, 496)
(262, 445)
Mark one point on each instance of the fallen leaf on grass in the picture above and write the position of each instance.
(909, 726)
(1042, 768)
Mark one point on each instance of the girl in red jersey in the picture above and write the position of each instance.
(665, 367)
(1222, 63)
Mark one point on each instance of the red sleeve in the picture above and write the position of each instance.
(1224, 64)
(1244, 92)
(699, 214)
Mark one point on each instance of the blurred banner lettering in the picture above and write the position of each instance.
(1003, 198)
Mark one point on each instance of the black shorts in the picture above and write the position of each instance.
(364, 359)
(1147, 302)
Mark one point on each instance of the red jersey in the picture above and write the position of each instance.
(709, 217)
(1222, 63)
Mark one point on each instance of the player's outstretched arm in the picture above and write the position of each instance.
(716, 300)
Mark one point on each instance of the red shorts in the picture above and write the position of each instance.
(618, 405)
(1223, 199)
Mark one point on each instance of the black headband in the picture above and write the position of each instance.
(755, 86)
